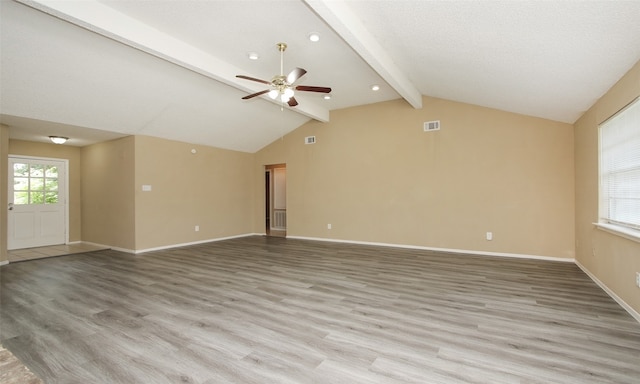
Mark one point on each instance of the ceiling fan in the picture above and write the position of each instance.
(282, 86)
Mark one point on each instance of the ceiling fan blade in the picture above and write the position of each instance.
(292, 102)
(310, 88)
(295, 75)
(251, 96)
(254, 79)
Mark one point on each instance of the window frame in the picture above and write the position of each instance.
(605, 222)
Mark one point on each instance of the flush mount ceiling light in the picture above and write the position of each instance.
(327, 97)
(314, 37)
(253, 56)
(58, 139)
(375, 87)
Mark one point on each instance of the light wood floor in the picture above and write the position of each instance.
(275, 310)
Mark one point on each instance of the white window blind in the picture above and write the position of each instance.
(620, 168)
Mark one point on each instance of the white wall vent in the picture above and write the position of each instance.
(432, 125)
(310, 140)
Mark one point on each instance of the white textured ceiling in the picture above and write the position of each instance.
(97, 70)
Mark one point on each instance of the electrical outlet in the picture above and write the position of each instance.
(328, 226)
(638, 279)
(197, 228)
(489, 236)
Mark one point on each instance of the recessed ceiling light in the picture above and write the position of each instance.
(327, 97)
(253, 56)
(314, 37)
(375, 87)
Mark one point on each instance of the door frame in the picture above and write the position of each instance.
(66, 186)
(269, 195)
(267, 199)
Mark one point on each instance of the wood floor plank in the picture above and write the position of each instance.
(276, 310)
(12, 371)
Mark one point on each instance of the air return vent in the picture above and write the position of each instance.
(310, 140)
(432, 125)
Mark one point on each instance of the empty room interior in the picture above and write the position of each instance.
(319, 191)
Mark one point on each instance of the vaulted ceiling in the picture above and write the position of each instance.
(97, 70)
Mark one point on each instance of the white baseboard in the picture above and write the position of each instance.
(609, 292)
(190, 243)
(125, 250)
(138, 251)
(4, 262)
(446, 250)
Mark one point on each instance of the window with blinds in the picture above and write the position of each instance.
(620, 168)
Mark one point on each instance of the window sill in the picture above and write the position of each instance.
(627, 233)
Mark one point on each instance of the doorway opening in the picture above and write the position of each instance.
(276, 200)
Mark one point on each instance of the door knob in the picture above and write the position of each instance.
(11, 206)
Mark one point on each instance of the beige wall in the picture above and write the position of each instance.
(4, 189)
(377, 177)
(108, 174)
(212, 188)
(73, 155)
(612, 259)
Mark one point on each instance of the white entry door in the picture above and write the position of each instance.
(37, 202)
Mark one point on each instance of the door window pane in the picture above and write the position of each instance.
(20, 169)
(51, 184)
(36, 170)
(35, 184)
(51, 171)
(51, 197)
(20, 198)
(37, 198)
(20, 184)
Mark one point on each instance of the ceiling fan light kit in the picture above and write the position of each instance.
(283, 86)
